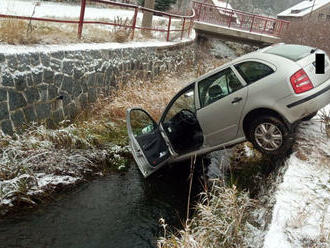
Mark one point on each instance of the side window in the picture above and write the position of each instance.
(141, 122)
(252, 71)
(185, 101)
(218, 86)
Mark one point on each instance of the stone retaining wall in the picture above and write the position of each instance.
(56, 84)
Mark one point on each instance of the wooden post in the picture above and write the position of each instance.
(230, 18)
(279, 32)
(265, 26)
(147, 16)
(204, 10)
(241, 21)
(191, 23)
(199, 11)
(184, 21)
(252, 23)
(81, 20)
(169, 28)
(134, 22)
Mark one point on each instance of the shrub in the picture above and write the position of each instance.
(14, 32)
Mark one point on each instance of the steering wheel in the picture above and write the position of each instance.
(188, 117)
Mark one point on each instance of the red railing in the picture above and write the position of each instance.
(133, 26)
(237, 19)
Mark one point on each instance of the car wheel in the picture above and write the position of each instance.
(309, 117)
(270, 135)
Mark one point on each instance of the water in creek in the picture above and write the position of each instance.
(114, 211)
(119, 210)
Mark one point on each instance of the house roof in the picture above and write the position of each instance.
(303, 8)
(223, 4)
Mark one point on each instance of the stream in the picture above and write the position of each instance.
(119, 210)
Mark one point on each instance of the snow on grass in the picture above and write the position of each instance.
(59, 10)
(13, 49)
(41, 160)
(55, 33)
(301, 215)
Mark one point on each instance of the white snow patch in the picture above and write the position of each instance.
(248, 151)
(72, 12)
(41, 181)
(61, 10)
(302, 211)
(303, 8)
(14, 49)
(45, 180)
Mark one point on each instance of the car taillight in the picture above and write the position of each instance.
(300, 82)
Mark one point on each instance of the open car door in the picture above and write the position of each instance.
(146, 141)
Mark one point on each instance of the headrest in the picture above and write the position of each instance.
(215, 91)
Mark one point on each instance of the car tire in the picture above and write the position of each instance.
(270, 135)
(309, 117)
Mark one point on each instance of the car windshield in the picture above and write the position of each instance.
(292, 52)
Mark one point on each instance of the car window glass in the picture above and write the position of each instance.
(141, 123)
(185, 101)
(252, 71)
(218, 86)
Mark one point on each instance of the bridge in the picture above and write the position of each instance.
(237, 25)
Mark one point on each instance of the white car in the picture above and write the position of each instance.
(257, 97)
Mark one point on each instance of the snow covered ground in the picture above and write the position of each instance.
(301, 215)
(14, 49)
(66, 11)
(59, 10)
(41, 161)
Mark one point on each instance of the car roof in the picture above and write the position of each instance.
(267, 55)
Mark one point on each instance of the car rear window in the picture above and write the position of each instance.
(289, 51)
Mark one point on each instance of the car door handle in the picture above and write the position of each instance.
(237, 99)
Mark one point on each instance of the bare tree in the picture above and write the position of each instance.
(147, 16)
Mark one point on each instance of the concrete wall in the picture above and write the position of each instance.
(56, 83)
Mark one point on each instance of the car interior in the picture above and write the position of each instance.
(218, 86)
(154, 146)
(181, 124)
(184, 131)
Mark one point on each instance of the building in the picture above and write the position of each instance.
(224, 12)
(305, 9)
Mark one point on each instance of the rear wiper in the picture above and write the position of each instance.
(313, 50)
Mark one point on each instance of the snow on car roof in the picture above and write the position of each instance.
(303, 8)
(290, 51)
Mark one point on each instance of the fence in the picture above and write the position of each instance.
(239, 19)
(185, 26)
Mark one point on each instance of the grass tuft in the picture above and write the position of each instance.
(324, 115)
(220, 221)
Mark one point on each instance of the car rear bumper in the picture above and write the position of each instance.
(296, 107)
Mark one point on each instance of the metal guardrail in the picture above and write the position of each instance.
(133, 26)
(237, 19)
